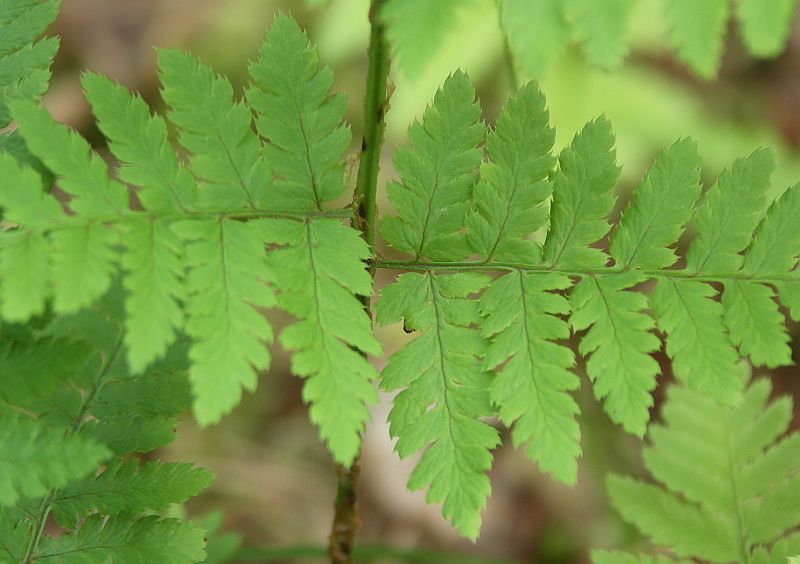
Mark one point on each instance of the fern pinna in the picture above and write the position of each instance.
(247, 222)
(72, 414)
(731, 482)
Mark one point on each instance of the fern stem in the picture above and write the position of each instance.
(467, 266)
(47, 503)
(375, 103)
(345, 519)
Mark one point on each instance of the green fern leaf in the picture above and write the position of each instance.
(24, 62)
(139, 140)
(582, 198)
(729, 485)
(701, 351)
(146, 539)
(730, 213)
(765, 26)
(417, 28)
(25, 253)
(601, 26)
(509, 200)
(444, 392)
(618, 346)
(225, 286)
(531, 390)
(127, 487)
(697, 31)
(437, 174)
(322, 271)
(37, 458)
(661, 207)
(83, 252)
(217, 132)
(537, 32)
(301, 121)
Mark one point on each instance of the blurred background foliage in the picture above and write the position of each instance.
(275, 482)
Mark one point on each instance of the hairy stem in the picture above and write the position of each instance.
(345, 519)
(375, 102)
(544, 268)
(40, 520)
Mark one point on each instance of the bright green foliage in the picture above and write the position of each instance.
(730, 477)
(190, 261)
(731, 211)
(537, 31)
(437, 174)
(24, 64)
(738, 245)
(417, 28)
(697, 29)
(601, 27)
(322, 273)
(138, 541)
(216, 130)
(226, 283)
(664, 203)
(69, 399)
(445, 391)
(531, 390)
(702, 354)
(37, 458)
(511, 194)
(24, 61)
(765, 26)
(301, 122)
(582, 198)
(617, 345)
(127, 487)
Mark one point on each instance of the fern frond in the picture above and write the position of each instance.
(437, 174)
(510, 198)
(537, 32)
(697, 31)
(37, 457)
(82, 251)
(322, 271)
(417, 28)
(531, 390)
(128, 487)
(444, 392)
(225, 153)
(664, 204)
(300, 120)
(739, 246)
(601, 27)
(618, 346)
(123, 539)
(582, 198)
(765, 27)
(729, 473)
(24, 62)
(225, 286)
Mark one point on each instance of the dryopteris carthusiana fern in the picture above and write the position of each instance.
(245, 223)
(731, 481)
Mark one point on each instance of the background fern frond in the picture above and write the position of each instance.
(728, 472)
